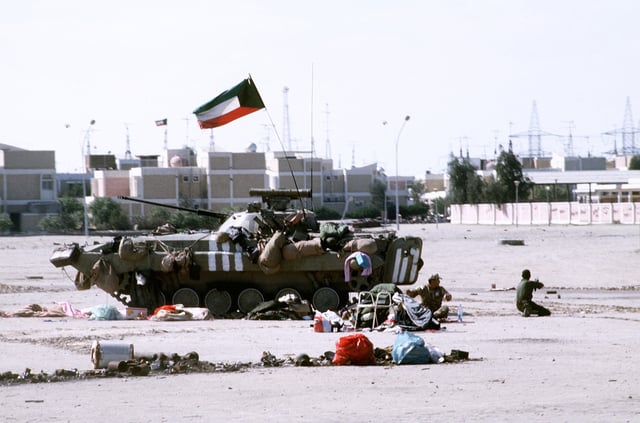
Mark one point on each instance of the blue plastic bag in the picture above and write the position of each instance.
(409, 348)
(105, 312)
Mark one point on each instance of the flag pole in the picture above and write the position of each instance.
(312, 140)
(166, 142)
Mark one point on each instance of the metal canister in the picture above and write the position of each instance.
(103, 352)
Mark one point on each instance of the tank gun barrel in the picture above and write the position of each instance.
(201, 212)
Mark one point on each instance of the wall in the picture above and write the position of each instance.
(556, 213)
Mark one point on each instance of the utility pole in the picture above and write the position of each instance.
(286, 132)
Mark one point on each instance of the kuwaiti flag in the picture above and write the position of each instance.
(232, 104)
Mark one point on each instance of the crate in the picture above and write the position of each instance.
(134, 313)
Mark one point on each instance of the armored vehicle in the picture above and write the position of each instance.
(262, 253)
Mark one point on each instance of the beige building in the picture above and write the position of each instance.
(222, 181)
(230, 177)
(27, 186)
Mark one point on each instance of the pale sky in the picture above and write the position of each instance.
(466, 72)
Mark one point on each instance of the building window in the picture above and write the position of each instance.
(185, 178)
(47, 183)
(195, 179)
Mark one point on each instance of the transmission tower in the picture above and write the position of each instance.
(534, 134)
(127, 152)
(327, 144)
(286, 132)
(569, 146)
(628, 132)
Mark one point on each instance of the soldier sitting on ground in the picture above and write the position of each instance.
(524, 295)
(432, 295)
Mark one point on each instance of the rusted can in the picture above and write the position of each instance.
(102, 353)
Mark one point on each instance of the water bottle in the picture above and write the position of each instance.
(459, 312)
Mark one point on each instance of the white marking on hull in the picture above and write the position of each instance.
(414, 264)
(220, 257)
(403, 269)
(396, 266)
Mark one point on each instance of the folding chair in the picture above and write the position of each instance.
(368, 302)
(383, 302)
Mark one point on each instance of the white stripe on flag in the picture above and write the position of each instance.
(220, 109)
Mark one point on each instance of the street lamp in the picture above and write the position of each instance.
(435, 206)
(406, 118)
(386, 206)
(548, 205)
(86, 140)
(517, 183)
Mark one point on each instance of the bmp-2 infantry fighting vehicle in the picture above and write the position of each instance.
(262, 253)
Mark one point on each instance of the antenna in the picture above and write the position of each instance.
(186, 131)
(127, 153)
(327, 144)
(286, 132)
(266, 140)
(353, 155)
(88, 136)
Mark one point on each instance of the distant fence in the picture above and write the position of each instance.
(554, 213)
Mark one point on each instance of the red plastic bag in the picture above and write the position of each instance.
(354, 349)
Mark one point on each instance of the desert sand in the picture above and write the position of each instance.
(579, 364)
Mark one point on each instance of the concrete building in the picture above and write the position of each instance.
(27, 185)
(222, 181)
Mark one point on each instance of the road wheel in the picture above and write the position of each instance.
(218, 302)
(187, 297)
(248, 299)
(325, 299)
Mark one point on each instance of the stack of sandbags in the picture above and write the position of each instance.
(366, 245)
(296, 250)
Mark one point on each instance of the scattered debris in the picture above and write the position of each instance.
(162, 364)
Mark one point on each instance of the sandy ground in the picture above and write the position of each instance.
(580, 364)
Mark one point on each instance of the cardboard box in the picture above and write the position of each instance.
(134, 313)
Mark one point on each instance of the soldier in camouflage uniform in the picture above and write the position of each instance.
(432, 296)
(524, 295)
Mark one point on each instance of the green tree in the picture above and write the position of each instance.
(419, 210)
(378, 193)
(188, 220)
(416, 189)
(466, 186)
(5, 223)
(326, 213)
(158, 217)
(508, 171)
(368, 211)
(70, 218)
(107, 214)
(634, 163)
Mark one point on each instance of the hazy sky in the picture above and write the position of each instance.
(467, 72)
